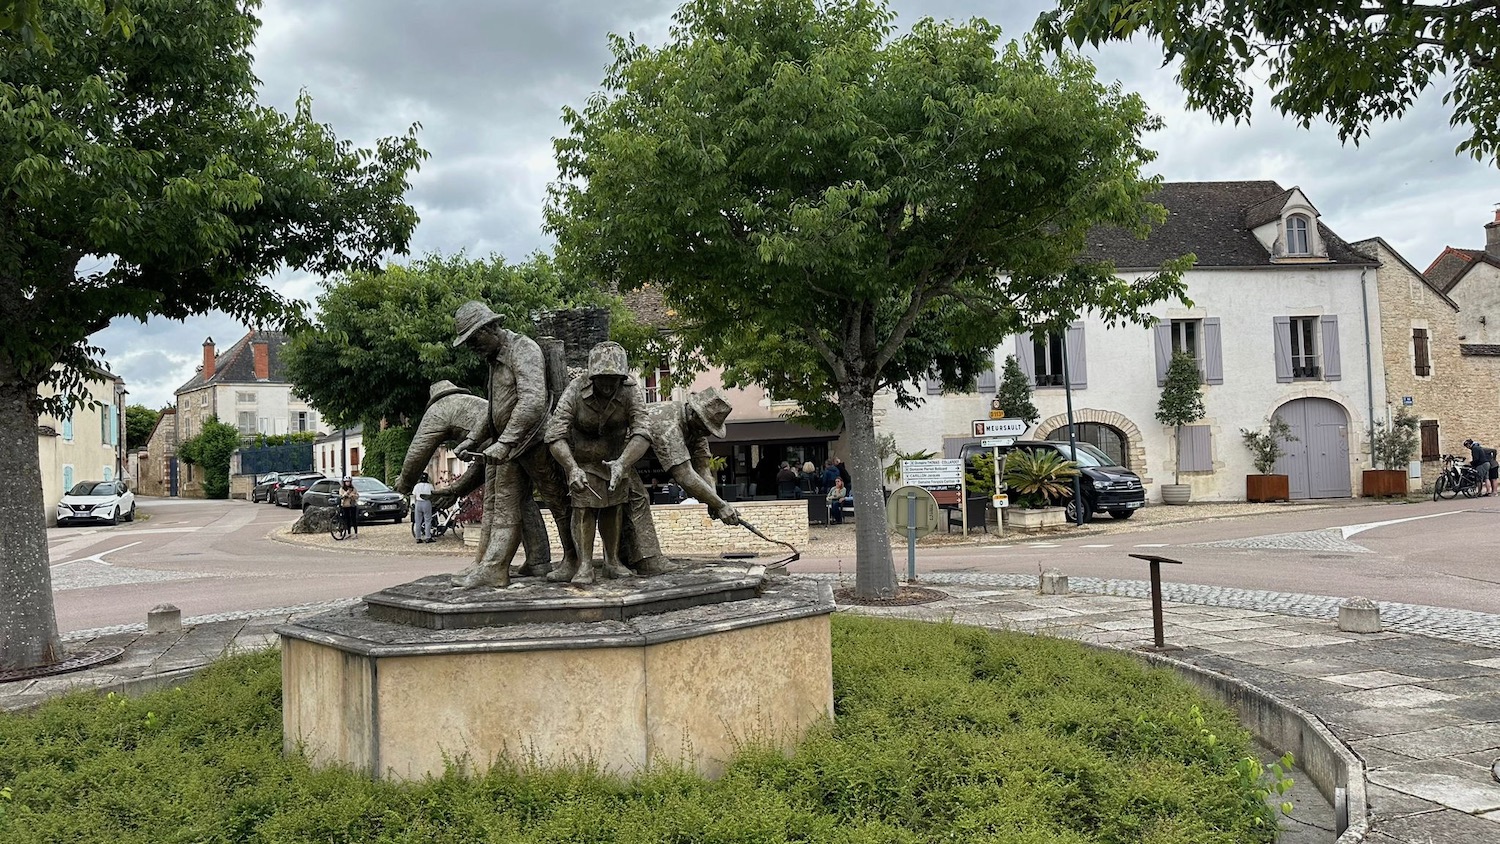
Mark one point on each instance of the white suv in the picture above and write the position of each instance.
(97, 501)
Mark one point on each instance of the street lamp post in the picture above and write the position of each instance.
(344, 451)
(1078, 514)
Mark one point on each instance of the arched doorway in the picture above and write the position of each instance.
(1106, 438)
(1317, 462)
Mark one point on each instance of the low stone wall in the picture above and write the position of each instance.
(240, 486)
(687, 529)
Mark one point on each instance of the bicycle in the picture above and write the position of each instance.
(442, 522)
(337, 527)
(1457, 477)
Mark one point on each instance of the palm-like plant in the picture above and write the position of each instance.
(1037, 478)
(893, 471)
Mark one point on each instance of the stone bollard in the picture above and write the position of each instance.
(1054, 582)
(1359, 615)
(164, 618)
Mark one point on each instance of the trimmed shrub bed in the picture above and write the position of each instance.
(944, 733)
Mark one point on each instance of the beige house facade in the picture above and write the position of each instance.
(87, 445)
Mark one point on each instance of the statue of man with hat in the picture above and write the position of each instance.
(511, 445)
(600, 415)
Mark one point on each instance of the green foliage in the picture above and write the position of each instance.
(979, 474)
(943, 733)
(1352, 64)
(265, 441)
(212, 448)
(1038, 479)
(382, 338)
(1396, 444)
(1015, 393)
(140, 421)
(384, 452)
(1181, 397)
(1267, 447)
(893, 471)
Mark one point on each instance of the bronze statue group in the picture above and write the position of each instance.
(572, 446)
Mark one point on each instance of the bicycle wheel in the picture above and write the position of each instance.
(457, 527)
(1470, 485)
(337, 528)
(1444, 487)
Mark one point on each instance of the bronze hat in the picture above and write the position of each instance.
(712, 408)
(471, 317)
(608, 358)
(443, 389)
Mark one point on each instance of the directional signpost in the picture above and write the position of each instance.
(945, 474)
(998, 434)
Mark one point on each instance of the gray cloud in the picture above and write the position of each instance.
(487, 79)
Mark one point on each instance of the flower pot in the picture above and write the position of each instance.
(1017, 518)
(1175, 493)
(1383, 482)
(1267, 488)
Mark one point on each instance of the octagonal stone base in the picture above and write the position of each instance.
(683, 687)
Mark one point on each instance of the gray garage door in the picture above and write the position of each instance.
(1317, 463)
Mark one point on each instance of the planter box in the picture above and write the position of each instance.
(1176, 493)
(1383, 482)
(1267, 488)
(1019, 519)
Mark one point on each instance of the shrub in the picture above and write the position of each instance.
(1396, 444)
(1266, 447)
(1038, 478)
(1181, 398)
(212, 449)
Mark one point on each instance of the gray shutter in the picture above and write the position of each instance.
(1282, 329)
(1078, 368)
(1163, 333)
(986, 382)
(1213, 352)
(1025, 357)
(1330, 347)
(1194, 449)
(934, 385)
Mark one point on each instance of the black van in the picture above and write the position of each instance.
(1105, 486)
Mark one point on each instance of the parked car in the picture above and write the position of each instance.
(376, 500)
(292, 488)
(97, 501)
(1105, 486)
(266, 486)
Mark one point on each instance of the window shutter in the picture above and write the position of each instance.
(68, 428)
(1430, 450)
(1213, 352)
(953, 448)
(1420, 351)
(114, 425)
(1163, 333)
(1025, 357)
(1078, 370)
(67, 478)
(987, 380)
(1330, 347)
(934, 385)
(1194, 449)
(1281, 327)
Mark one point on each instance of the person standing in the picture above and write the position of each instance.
(829, 475)
(421, 507)
(844, 473)
(1485, 468)
(349, 505)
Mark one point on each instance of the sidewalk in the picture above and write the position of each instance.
(1422, 712)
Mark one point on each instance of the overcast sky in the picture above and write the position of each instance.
(487, 79)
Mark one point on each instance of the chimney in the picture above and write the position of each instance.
(262, 351)
(1492, 236)
(208, 358)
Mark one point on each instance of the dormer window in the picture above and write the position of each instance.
(1298, 242)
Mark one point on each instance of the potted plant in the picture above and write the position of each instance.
(1265, 449)
(1181, 404)
(1037, 480)
(1394, 444)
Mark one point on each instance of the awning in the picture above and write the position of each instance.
(773, 430)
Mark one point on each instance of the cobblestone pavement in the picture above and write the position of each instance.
(1327, 539)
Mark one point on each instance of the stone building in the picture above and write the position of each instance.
(157, 456)
(245, 386)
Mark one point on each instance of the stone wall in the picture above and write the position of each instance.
(687, 530)
(240, 487)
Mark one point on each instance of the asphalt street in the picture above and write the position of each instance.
(210, 558)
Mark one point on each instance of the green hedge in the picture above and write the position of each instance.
(944, 733)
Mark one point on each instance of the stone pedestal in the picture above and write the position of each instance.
(1054, 582)
(1359, 615)
(623, 691)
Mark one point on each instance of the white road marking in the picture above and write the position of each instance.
(1153, 545)
(97, 558)
(1096, 546)
(1042, 545)
(1350, 530)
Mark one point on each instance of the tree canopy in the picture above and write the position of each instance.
(382, 338)
(833, 208)
(139, 177)
(140, 421)
(1352, 62)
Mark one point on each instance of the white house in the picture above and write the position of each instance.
(245, 386)
(87, 445)
(339, 451)
(1284, 321)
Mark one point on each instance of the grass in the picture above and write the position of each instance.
(944, 734)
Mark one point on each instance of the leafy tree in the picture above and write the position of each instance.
(139, 177)
(383, 338)
(140, 421)
(1015, 393)
(1267, 447)
(384, 452)
(212, 449)
(834, 209)
(1181, 400)
(1353, 63)
(1395, 444)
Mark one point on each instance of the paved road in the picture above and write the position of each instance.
(210, 558)
(1444, 553)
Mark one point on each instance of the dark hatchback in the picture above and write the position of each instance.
(266, 486)
(1106, 487)
(377, 501)
(289, 493)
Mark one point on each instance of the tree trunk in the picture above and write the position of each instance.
(28, 623)
(874, 571)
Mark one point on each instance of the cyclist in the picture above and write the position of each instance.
(421, 506)
(1485, 469)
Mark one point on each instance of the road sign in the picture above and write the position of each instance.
(1407, 401)
(898, 509)
(1001, 500)
(999, 427)
(933, 474)
(996, 411)
(1002, 442)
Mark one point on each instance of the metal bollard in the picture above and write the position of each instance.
(1156, 613)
